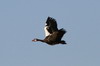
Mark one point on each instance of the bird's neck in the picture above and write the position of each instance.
(40, 40)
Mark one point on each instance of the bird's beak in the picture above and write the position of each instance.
(34, 40)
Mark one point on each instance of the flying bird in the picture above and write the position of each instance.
(53, 35)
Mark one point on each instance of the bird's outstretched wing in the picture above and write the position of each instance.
(51, 25)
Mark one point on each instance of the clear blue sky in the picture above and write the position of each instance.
(23, 20)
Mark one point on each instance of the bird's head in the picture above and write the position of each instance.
(34, 40)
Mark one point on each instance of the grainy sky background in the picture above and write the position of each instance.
(23, 20)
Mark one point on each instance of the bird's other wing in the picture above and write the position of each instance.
(61, 34)
(51, 24)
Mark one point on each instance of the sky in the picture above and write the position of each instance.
(23, 20)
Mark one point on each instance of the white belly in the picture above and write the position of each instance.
(46, 32)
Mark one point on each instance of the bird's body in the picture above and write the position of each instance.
(53, 35)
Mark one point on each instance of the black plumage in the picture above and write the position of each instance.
(53, 35)
(52, 24)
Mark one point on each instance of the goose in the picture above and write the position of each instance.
(53, 35)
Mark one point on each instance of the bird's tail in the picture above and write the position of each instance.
(63, 42)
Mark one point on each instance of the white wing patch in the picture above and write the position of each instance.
(46, 32)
